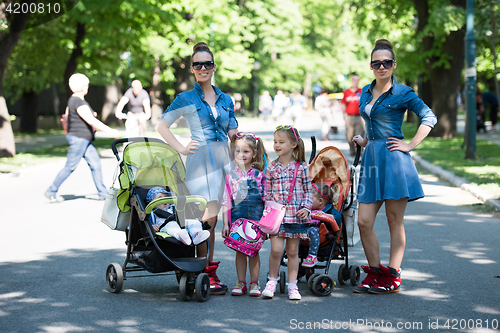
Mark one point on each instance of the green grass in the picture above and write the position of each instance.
(40, 132)
(43, 155)
(448, 154)
(53, 154)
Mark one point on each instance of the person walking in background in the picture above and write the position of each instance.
(139, 110)
(280, 104)
(297, 103)
(322, 104)
(265, 104)
(480, 114)
(210, 115)
(489, 99)
(388, 174)
(81, 124)
(354, 124)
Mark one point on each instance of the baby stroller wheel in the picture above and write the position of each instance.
(202, 287)
(310, 282)
(282, 282)
(178, 275)
(114, 278)
(323, 285)
(341, 274)
(354, 275)
(186, 287)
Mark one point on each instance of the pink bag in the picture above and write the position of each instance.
(274, 212)
(245, 237)
(272, 217)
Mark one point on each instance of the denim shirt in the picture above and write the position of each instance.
(204, 127)
(387, 114)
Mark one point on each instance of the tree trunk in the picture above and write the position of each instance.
(445, 86)
(493, 47)
(308, 91)
(55, 100)
(72, 62)
(29, 112)
(252, 103)
(157, 108)
(444, 83)
(7, 43)
(7, 143)
(183, 77)
(110, 102)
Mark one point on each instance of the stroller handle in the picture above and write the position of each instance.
(124, 140)
(358, 155)
(173, 200)
(313, 151)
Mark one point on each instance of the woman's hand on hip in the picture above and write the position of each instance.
(191, 147)
(359, 141)
(397, 144)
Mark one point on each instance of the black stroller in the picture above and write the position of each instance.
(331, 167)
(148, 163)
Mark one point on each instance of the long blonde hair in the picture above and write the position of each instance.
(299, 152)
(257, 145)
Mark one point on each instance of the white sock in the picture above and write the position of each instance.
(183, 236)
(201, 237)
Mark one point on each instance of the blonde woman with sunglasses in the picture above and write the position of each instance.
(210, 116)
(388, 174)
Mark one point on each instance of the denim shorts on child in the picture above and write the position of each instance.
(292, 230)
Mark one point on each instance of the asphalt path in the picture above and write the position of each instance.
(53, 259)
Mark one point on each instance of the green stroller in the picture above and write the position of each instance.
(148, 163)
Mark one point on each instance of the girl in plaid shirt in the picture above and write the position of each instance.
(289, 147)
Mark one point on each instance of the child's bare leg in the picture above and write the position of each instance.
(241, 266)
(254, 268)
(209, 216)
(277, 244)
(292, 252)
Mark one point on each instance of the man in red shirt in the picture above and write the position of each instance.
(354, 124)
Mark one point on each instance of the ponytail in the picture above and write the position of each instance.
(299, 152)
(260, 159)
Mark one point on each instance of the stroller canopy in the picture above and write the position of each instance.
(148, 164)
(330, 166)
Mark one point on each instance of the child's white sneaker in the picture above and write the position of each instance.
(183, 237)
(293, 292)
(201, 237)
(254, 290)
(270, 289)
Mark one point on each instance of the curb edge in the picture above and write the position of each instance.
(464, 184)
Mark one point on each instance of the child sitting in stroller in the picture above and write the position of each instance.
(193, 226)
(324, 199)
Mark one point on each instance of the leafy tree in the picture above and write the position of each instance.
(431, 33)
(487, 30)
(29, 73)
(12, 23)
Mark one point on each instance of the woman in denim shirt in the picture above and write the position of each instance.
(388, 174)
(210, 116)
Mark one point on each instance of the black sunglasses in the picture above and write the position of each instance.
(197, 65)
(386, 63)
